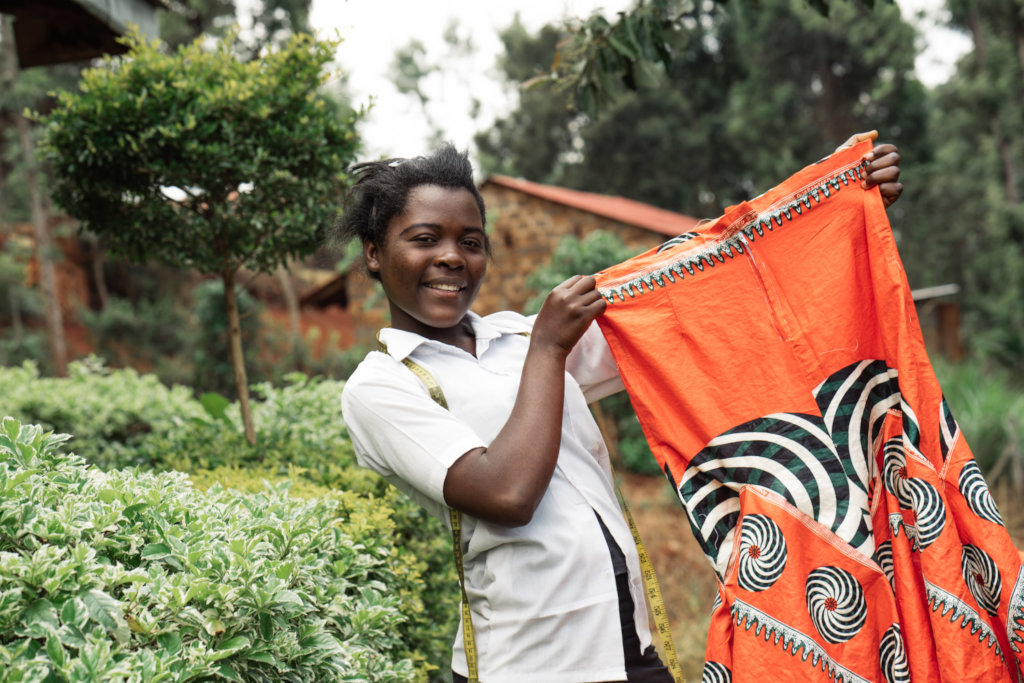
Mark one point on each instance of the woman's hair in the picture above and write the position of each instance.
(382, 189)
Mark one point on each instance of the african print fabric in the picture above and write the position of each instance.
(776, 364)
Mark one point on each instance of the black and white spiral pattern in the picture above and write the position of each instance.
(883, 556)
(835, 601)
(975, 491)
(892, 656)
(715, 672)
(894, 472)
(982, 577)
(788, 453)
(929, 509)
(821, 464)
(913, 494)
(762, 553)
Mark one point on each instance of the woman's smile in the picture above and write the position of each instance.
(446, 287)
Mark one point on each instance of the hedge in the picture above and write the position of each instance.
(124, 419)
(139, 576)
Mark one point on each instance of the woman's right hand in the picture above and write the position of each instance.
(567, 313)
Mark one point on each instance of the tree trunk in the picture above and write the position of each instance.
(44, 246)
(237, 359)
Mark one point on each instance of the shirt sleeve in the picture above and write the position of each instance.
(398, 431)
(592, 365)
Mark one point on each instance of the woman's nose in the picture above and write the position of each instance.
(450, 255)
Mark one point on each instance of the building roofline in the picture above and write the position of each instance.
(628, 211)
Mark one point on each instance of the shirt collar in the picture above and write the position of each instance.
(401, 344)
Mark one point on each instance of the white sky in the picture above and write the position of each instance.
(372, 30)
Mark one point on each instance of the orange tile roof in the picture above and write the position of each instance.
(617, 208)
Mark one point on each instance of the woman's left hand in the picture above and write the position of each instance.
(883, 167)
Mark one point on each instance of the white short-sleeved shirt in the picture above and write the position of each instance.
(543, 596)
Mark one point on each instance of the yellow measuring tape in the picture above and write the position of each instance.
(455, 517)
(468, 635)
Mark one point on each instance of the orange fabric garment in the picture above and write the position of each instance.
(776, 364)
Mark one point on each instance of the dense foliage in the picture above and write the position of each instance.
(602, 58)
(200, 160)
(965, 217)
(121, 418)
(132, 576)
(753, 91)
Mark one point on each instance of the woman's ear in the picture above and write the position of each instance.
(371, 256)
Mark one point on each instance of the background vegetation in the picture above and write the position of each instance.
(173, 548)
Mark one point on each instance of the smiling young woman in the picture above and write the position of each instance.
(551, 570)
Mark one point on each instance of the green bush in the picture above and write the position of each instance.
(109, 412)
(129, 576)
(122, 419)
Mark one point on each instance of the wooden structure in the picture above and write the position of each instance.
(56, 31)
(939, 315)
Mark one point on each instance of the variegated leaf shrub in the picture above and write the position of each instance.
(139, 576)
(121, 418)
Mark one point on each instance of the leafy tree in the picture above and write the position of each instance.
(182, 21)
(530, 140)
(808, 82)
(199, 160)
(752, 92)
(602, 59)
(272, 21)
(967, 222)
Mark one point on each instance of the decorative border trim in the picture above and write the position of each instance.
(792, 641)
(1015, 614)
(944, 603)
(735, 243)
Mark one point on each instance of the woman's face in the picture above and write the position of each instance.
(432, 262)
